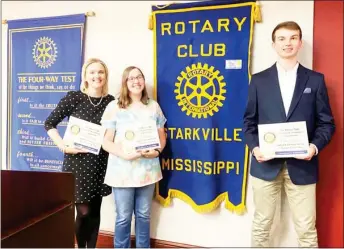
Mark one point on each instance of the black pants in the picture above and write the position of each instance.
(87, 222)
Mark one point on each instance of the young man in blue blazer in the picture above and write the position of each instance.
(287, 92)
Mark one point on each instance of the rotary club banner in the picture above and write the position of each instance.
(45, 57)
(202, 73)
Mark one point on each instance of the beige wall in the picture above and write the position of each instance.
(119, 36)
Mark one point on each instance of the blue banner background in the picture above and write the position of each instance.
(36, 88)
(203, 192)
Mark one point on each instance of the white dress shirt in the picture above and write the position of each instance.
(287, 81)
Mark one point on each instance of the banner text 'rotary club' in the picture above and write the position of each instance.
(198, 26)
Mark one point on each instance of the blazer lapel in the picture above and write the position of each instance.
(276, 90)
(300, 85)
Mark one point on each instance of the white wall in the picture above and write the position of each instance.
(119, 36)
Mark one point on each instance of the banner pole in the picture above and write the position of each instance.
(88, 14)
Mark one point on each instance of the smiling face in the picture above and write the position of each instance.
(287, 43)
(95, 76)
(133, 87)
(135, 82)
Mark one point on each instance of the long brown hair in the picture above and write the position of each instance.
(124, 98)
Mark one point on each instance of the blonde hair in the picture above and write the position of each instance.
(84, 83)
(124, 99)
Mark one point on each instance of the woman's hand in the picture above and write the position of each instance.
(131, 156)
(149, 153)
(70, 150)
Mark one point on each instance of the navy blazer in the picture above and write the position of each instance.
(265, 106)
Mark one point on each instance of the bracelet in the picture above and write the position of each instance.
(158, 152)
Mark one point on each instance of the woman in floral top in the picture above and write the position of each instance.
(132, 174)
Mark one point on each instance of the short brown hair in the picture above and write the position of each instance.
(124, 99)
(84, 83)
(287, 25)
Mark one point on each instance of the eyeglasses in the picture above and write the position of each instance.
(140, 77)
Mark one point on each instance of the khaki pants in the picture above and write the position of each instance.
(301, 200)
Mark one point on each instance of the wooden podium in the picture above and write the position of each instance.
(37, 209)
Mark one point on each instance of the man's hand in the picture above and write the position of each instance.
(259, 156)
(311, 153)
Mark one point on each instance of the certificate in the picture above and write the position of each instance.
(141, 136)
(81, 134)
(282, 140)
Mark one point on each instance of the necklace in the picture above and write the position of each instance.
(92, 102)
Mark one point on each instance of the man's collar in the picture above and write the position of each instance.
(282, 70)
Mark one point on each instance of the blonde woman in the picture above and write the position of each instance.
(88, 169)
(132, 175)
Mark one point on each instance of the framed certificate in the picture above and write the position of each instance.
(283, 140)
(84, 135)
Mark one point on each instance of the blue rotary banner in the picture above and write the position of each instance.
(202, 73)
(45, 57)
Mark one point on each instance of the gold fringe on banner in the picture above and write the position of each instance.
(206, 208)
(150, 19)
(150, 22)
(257, 12)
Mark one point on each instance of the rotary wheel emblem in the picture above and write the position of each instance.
(200, 90)
(44, 52)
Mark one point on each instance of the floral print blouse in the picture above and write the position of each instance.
(139, 172)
